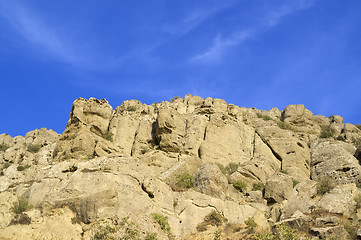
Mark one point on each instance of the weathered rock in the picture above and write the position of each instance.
(278, 188)
(226, 141)
(210, 180)
(292, 152)
(108, 165)
(331, 160)
(170, 130)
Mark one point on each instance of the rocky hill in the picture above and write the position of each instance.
(190, 168)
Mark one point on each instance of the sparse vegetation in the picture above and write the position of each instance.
(324, 186)
(108, 136)
(295, 182)
(174, 98)
(358, 126)
(6, 165)
(124, 230)
(240, 185)
(326, 132)
(22, 167)
(163, 223)
(341, 138)
(283, 171)
(151, 236)
(185, 181)
(358, 201)
(285, 126)
(132, 108)
(3, 147)
(229, 169)
(350, 228)
(217, 235)
(20, 206)
(251, 224)
(283, 232)
(258, 186)
(264, 117)
(214, 219)
(34, 148)
(71, 168)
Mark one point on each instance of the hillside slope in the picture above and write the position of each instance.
(191, 168)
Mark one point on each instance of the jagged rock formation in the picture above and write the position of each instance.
(186, 159)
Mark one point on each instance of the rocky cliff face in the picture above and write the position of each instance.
(191, 168)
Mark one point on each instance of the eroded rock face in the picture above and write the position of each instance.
(333, 160)
(244, 163)
(210, 180)
(278, 188)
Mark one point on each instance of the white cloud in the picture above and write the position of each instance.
(219, 47)
(193, 19)
(275, 16)
(40, 34)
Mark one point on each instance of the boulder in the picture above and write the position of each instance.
(331, 159)
(210, 180)
(278, 188)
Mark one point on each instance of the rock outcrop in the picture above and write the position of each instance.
(184, 169)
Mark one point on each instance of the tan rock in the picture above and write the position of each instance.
(331, 160)
(210, 180)
(278, 188)
(292, 152)
(170, 130)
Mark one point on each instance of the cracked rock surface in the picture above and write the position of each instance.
(184, 160)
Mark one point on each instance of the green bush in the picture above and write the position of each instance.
(22, 167)
(214, 218)
(326, 132)
(217, 235)
(6, 165)
(3, 147)
(285, 126)
(150, 236)
(341, 138)
(34, 148)
(231, 167)
(222, 168)
(185, 181)
(283, 232)
(174, 98)
(257, 186)
(324, 186)
(132, 108)
(20, 206)
(295, 182)
(264, 117)
(240, 185)
(108, 136)
(163, 223)
(251, 224)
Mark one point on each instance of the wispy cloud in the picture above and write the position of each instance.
(275, 16)
(193, 19)
(40, 34)
(220, 45)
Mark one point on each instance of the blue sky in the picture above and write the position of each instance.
(252, 53)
